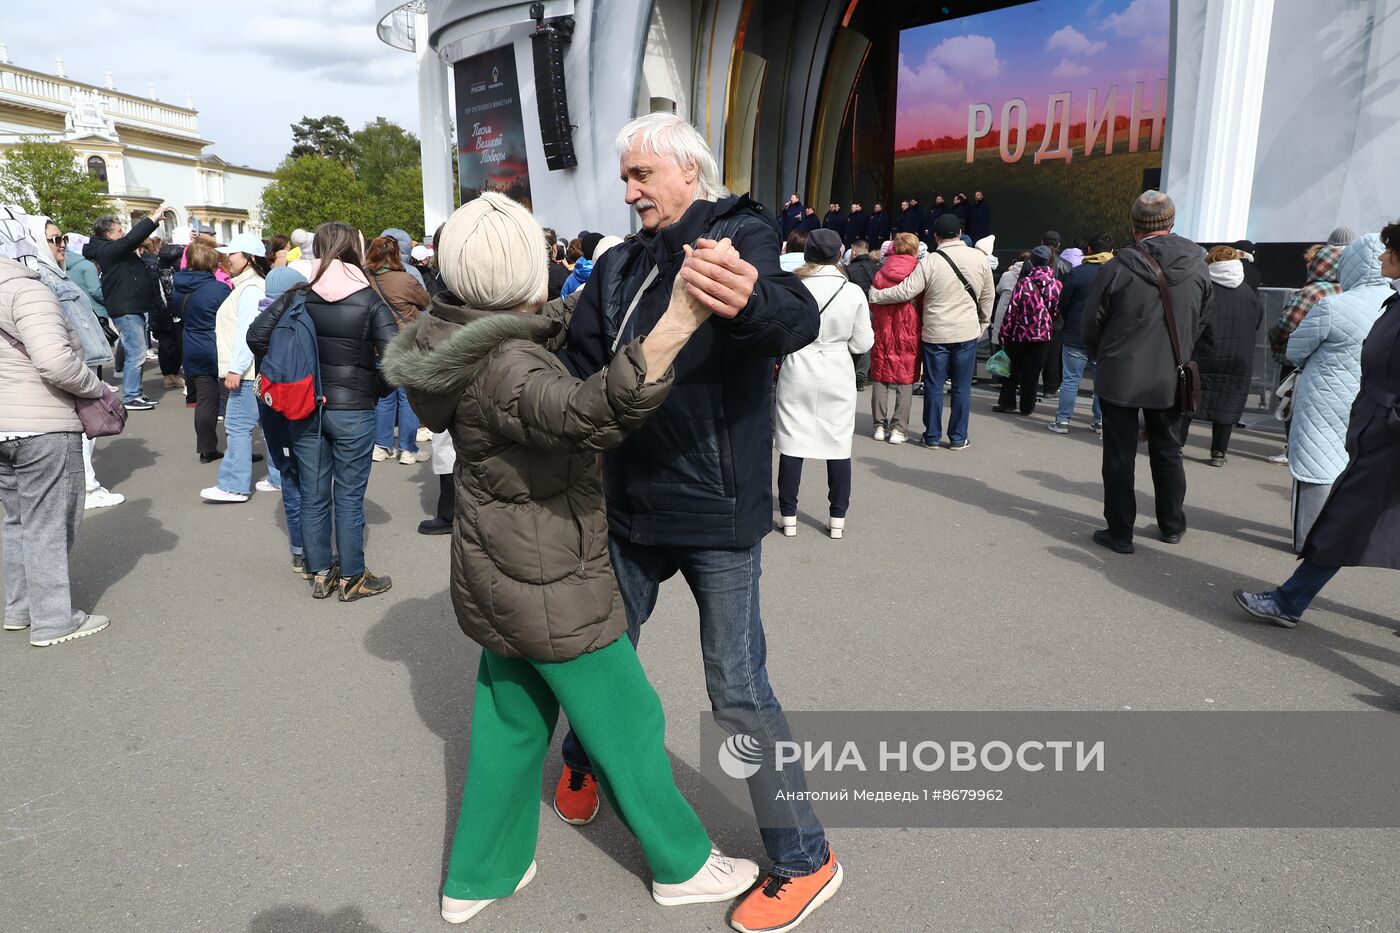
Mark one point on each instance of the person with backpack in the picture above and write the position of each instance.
(333, 444)
(1028, 329)
(247, 262)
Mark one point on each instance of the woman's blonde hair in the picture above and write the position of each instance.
(905, 244)
(1222, 254)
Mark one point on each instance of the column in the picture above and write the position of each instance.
(437, 145)
(1213, 197)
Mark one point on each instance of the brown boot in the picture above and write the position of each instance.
(168, 381)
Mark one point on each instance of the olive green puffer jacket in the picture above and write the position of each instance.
(530, 570)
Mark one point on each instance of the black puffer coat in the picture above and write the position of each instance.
(351, 335)
(1225, 352)
(700, 473)
(127, 284)
(530, 570)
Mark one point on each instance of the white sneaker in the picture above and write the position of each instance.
(1281, 459)
(719, 879)
(215, 494)
(836, 527)
(425, 435)
(879, 432)
(789, 526)
(897, 437)
(408, 457)
(265, 485)
(381, 454)
(456, 910)
(91, 625)
(15, 626)
(101, 497)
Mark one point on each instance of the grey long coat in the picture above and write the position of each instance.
(531, 575)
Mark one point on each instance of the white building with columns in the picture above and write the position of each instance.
(147, 151)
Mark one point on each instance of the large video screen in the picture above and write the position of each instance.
(1055, 110)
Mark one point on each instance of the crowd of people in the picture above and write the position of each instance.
(619, 401)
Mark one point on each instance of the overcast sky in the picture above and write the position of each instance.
(253, 68)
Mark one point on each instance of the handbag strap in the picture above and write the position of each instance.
(15, 343)
(967, 286)
(1156, 268)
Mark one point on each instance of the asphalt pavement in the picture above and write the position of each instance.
(232, 755)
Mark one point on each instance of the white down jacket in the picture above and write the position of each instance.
(1327, 346)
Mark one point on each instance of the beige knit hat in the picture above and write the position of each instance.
(1153, 211)
(492, 254)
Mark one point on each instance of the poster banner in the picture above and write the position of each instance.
(490, 127)
(1056, 110)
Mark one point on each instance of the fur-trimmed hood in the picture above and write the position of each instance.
(448, 347)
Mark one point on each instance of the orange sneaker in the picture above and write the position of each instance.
(780, 904)
(576, 797)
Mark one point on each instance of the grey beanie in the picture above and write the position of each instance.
(1152, 211)
(823, 246)
(1342, 236)
(492, 254)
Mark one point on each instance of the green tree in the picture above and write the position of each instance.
(381, 148)
(44, 178)
(327, 137)
(310, 190)
(399, 202)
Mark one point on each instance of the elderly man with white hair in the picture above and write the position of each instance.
(691, 491)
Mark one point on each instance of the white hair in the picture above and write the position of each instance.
(666, 134)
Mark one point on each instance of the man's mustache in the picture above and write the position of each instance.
(643, 205)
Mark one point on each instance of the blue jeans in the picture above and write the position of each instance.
(1294, 596)
(240, 417)
(724, 583)
(332, 451)
(395, 405)
(1075, 363)
(282, 464)
(132, 328)
(943, 362)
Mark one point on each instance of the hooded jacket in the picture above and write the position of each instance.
(1225, 349)
(195, 298)
(127, 284)
(1075, 293)
(531, 575)
(894, 360)
(700, 473)
(1327, 347)
(583, 268)
(36, 393)
(1125, 328)
(1322, 281)
(353, 328)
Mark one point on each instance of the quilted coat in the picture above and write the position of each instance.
(36, 394)
(531, 575)
(1225, 352)
(1327, 347)
(894, 360)
(1360, 524)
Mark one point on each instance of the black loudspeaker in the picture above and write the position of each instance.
(1152, 179)
(550, 40)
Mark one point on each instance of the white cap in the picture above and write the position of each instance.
(421, 253)
(245, 243)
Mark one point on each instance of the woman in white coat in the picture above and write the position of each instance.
(816, 394)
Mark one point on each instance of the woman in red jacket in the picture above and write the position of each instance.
(894, 360)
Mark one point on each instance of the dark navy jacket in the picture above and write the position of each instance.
(195, 298)
(699, 473)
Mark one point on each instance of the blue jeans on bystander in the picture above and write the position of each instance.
(132, 329)
(240, 417)
(277, 434)
(391, 408)
(952, 362)
(332, 451)
(1075, 365)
